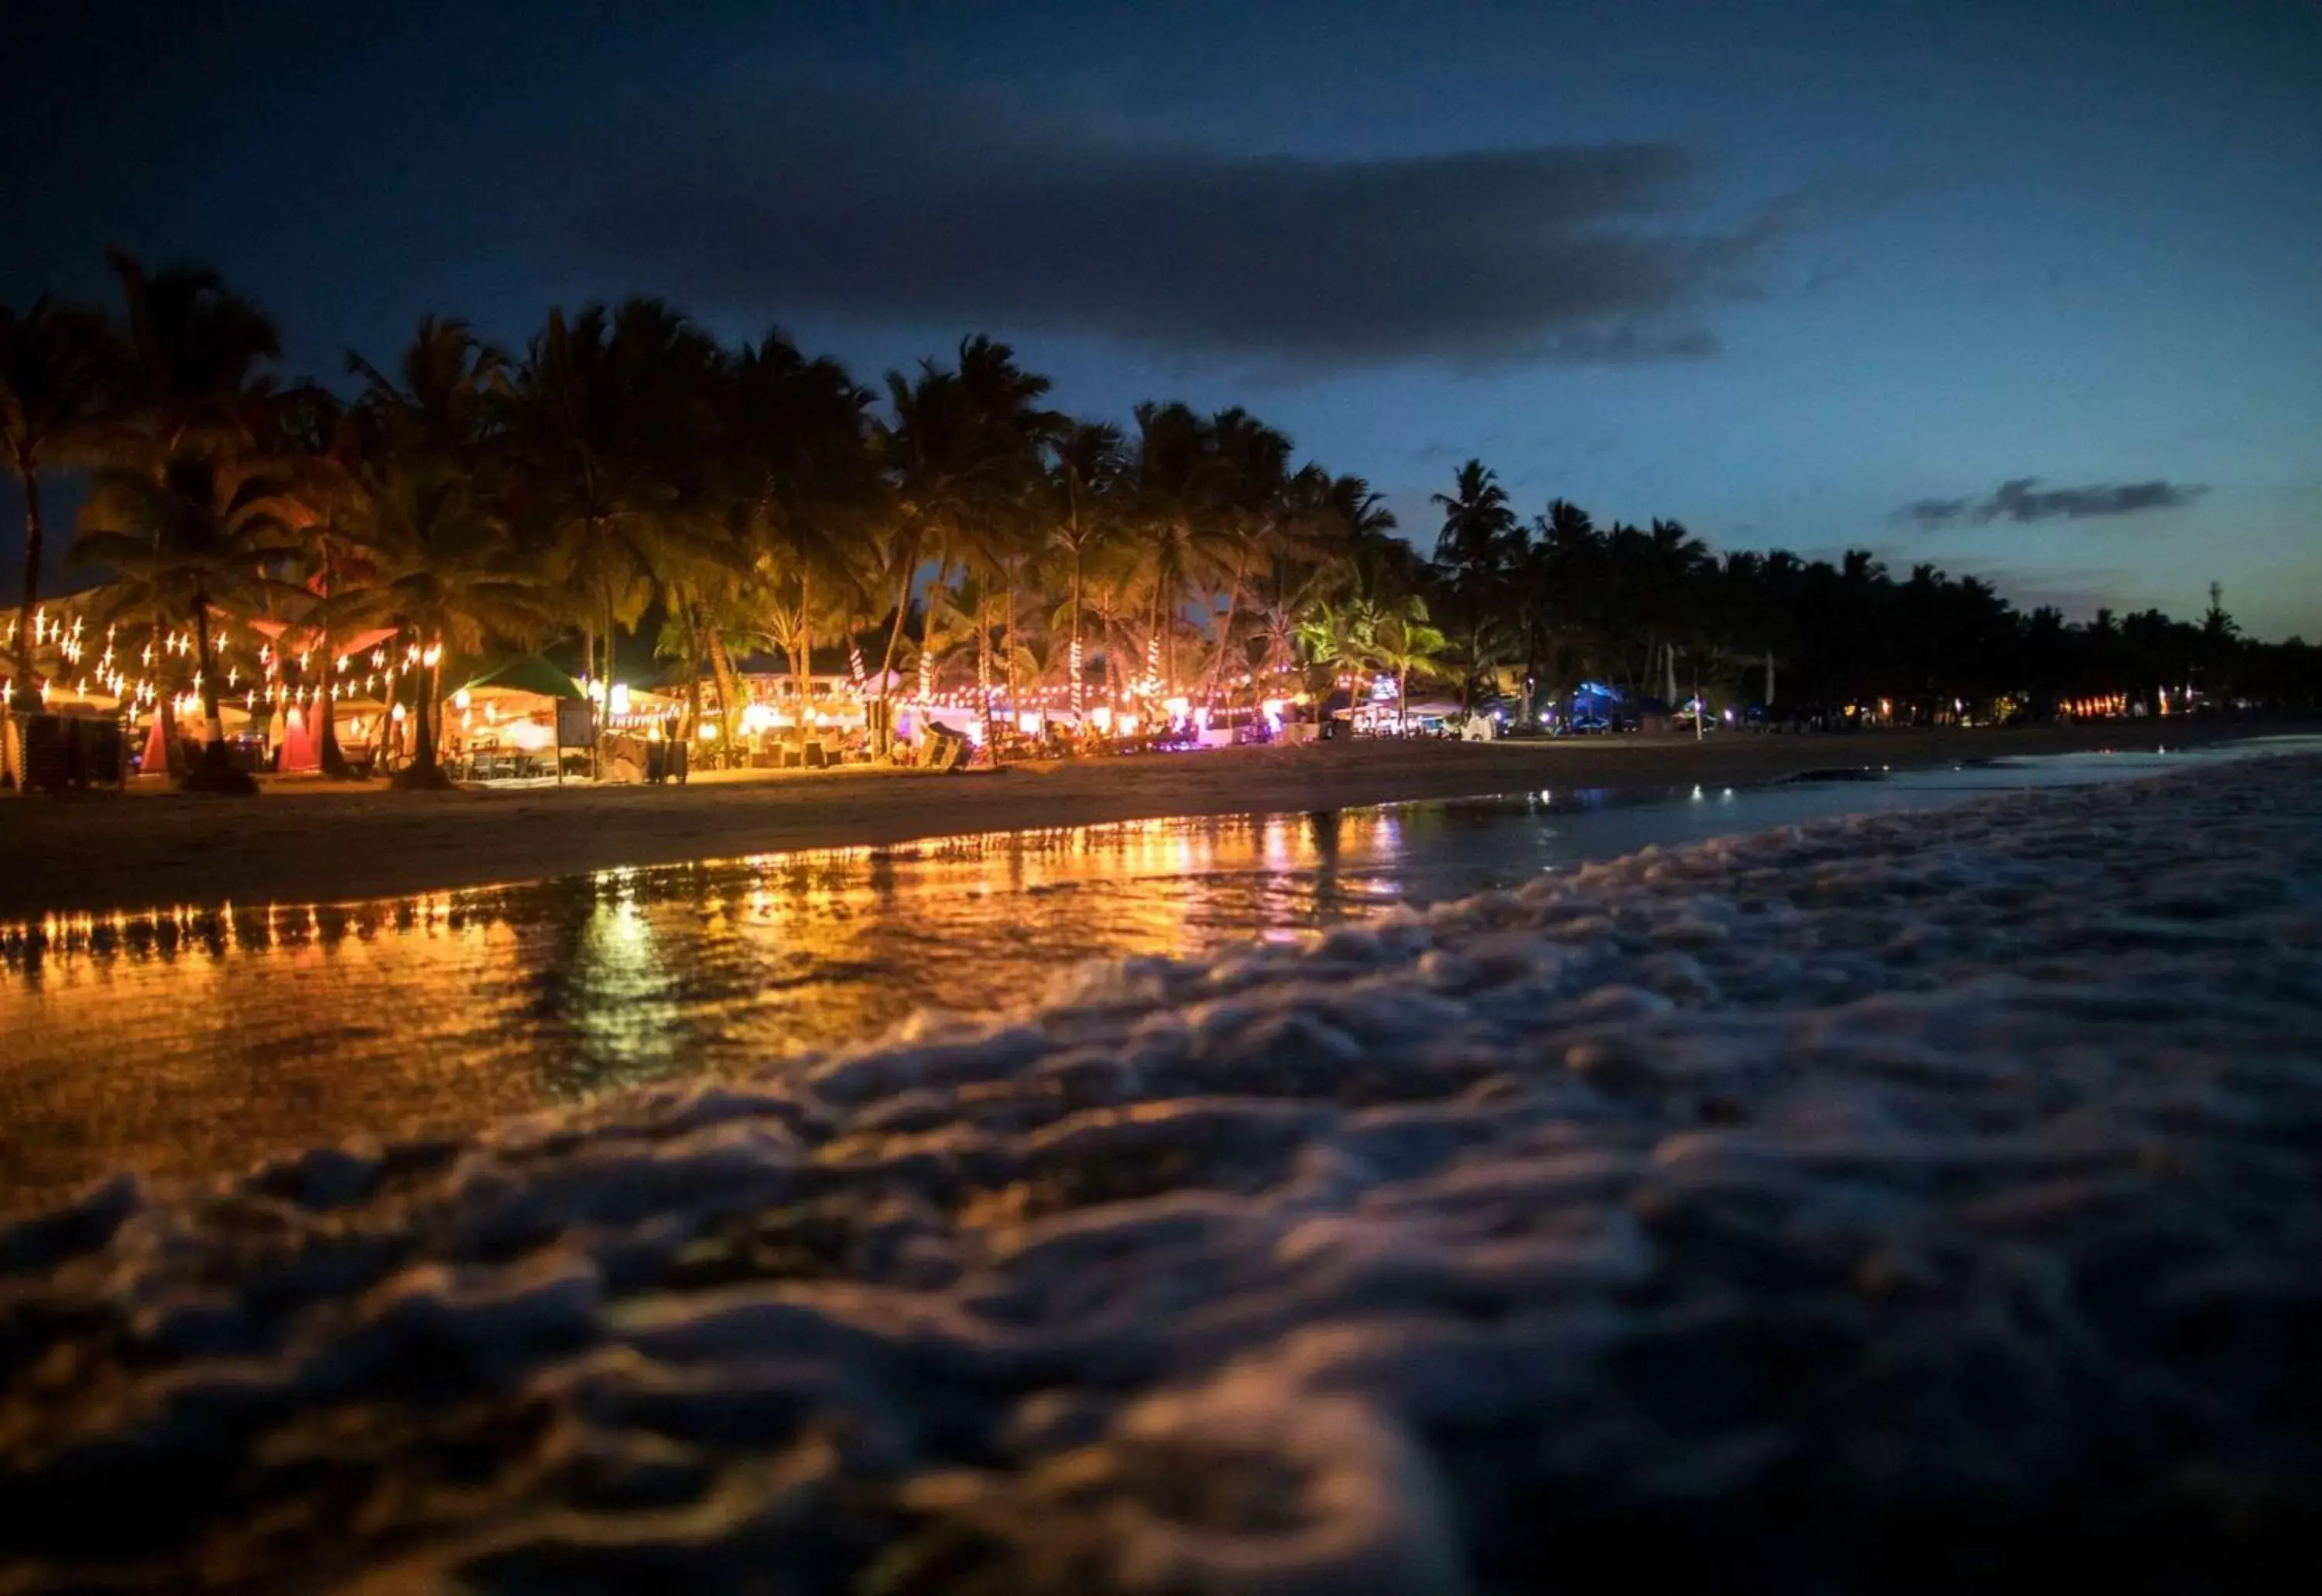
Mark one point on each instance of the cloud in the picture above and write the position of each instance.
(1933, 512)
(935, 206)
(2022, 498)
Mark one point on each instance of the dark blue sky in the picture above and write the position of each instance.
(1803, 274)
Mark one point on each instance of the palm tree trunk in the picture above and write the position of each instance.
(903, 614)
(334, 758)
(425, 757)
(1154, 645)
(730, 690)
(604, 720)
(802, 661)
(165, 709)
(1169, 640)
(983, 673)
(587, 669)
(1225, 634)
(214, 754)
(1008, 644)
(1074, 656)
(27, 698)
(927, 630)
(692, 723)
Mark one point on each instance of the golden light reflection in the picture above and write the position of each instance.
(192, 1038)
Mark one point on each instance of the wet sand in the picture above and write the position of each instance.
(309, 841)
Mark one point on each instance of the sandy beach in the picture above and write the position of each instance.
(310, 841)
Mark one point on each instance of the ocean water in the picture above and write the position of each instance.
(193, 1042)
(1904, 1201)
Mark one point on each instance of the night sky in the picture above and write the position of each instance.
(2029, 291)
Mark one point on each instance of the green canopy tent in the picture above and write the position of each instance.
(529, 704)
(529, 673)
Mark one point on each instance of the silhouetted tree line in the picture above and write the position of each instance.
(1561, 599)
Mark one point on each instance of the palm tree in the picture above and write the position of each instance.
(196, 351)
(315, 442)
(187, 541)
(1403, 640)
(447, 575)
(1253, 491)
(928, 446)
(1332, 520)
(612, 423)
(1086, 465)
(1388, 633)
(443, 413)
(59, 369)
(963, 451)
(1475, 550)
(450, 392)
(806, 489)
(1003, 528)
(1175, 481)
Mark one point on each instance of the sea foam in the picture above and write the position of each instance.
(1890, 1203)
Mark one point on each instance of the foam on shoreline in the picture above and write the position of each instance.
(1881, 1203)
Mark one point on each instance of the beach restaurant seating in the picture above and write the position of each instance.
(68, 753)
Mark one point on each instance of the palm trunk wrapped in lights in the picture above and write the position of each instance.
(206, 679)
(1073, 657)
(330, 758)
(1008, 642)
(984, 674)
(805, 657)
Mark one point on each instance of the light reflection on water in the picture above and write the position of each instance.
(196, 1040)
(192, 1041)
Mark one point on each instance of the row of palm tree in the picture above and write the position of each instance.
(624, 476)
(625, 473)
(1561, 599)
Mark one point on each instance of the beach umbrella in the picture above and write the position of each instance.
(299, 749)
